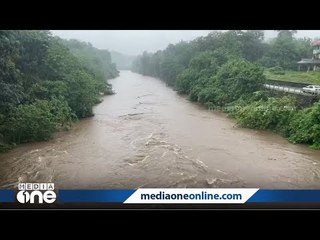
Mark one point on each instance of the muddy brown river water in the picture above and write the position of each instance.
(146, 135)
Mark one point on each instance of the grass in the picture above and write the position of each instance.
(312, 77)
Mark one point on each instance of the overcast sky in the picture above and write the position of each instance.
(134, 42)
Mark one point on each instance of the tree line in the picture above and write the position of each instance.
(46, 83)
(226, 70)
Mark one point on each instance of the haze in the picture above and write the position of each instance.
(134, 42)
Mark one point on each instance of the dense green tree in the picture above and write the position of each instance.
(239, 77)
(222, 70)
(305, 126)
(11, 91)
(98, 61)
(285, 51)
(36, 121)
(46, 83)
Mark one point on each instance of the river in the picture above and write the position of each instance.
(146, 135)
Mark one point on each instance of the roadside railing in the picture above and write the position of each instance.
(290, 90)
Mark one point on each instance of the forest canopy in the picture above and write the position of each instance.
(225, 70)
(46, 83)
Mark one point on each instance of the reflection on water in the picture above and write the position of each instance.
(148, 136)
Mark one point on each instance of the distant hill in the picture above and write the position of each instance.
(122, 61)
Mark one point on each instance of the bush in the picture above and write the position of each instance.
(63, 116)
(36, 121)
(267, 61)
(193, 96)
(82, 93)
(273, 114)
(185, 80)
(44, 80)
(207, 95)
(239, 77)
(305, 126)
(48, 90)
(233, 107)
(277, 70)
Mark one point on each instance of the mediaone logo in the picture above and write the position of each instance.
(36, 193)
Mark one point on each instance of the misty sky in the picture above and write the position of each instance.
(134, 42)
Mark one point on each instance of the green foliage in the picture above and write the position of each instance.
(166, 64)
(202, 53)
(192, 67)
(82, 94)
(277, 70)
(205, 60)
(63, 115)
(239, 77)
(285, 51)
(48, 90)
(305, 126)
(273, 114)
(185, 80)
(312, 77)
(36, 121)
(200, 72)
(46, 83)
(97, 61)
(86, 79)
(232, 108)
(207, 95)
(221, 70)
(170, 70)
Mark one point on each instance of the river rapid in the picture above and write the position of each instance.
(146, 135)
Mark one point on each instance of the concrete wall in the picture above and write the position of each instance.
(285, 83)
(302, 100)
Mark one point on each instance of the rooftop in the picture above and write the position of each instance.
(309, 61)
